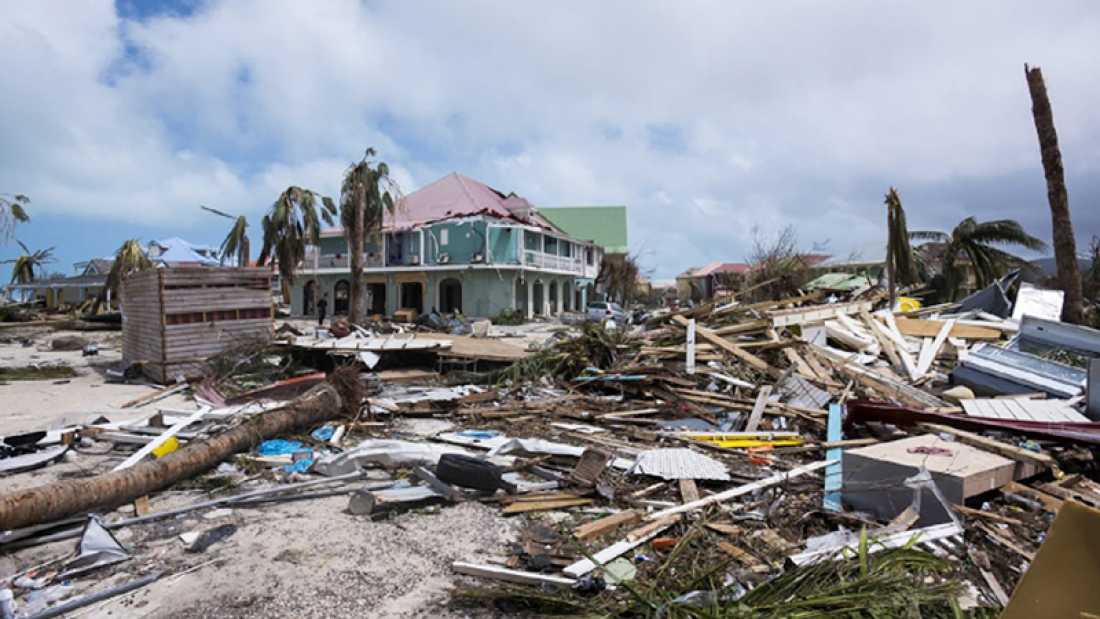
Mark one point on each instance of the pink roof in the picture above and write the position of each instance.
(456, 195)
(720, 267)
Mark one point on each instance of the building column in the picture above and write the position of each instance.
(530, 298)
(561, 298)
(584, 298)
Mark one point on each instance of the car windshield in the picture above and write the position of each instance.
(597, 306)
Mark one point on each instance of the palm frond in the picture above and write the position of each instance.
(929, 235)
(1005, 232)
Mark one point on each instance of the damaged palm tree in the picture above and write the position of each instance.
(293, 222)
(366, 195)
(236, 244)
(129, 259)
(901, 263)
(26, 268)
(1065, 246)
(13, 211)
(68, 497)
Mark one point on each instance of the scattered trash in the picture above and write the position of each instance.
(212, 536)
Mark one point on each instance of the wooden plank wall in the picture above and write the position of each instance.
(142, 319)
(197, 313)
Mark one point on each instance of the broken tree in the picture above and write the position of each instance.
(74, 496)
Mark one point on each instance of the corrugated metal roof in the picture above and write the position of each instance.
(679, 464)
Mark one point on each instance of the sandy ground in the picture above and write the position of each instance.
(301, 559)
(46, 404)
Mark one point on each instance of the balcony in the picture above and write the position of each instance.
(315, 260)
(551, 262)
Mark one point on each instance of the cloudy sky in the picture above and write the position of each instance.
(707, 119)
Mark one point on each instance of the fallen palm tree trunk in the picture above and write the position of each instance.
(75, 496)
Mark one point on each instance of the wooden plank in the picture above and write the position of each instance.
(516, 576)
(929, 352)
(522, 507)
(688, 490)
(834, 478)
(605, 525)
(178, 427)
(741, 556)
(914, 327)
(733, 349)
(726, 495)
(1004, 449)
(1050, 503)
(633, 539)
(758, 408)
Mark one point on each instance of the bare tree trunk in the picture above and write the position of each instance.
(65, 498)
(1065, 247)
(890, 242)
(355, 248)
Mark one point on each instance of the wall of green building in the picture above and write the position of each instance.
(502, 242)
(465, 240)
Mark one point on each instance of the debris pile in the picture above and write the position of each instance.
(793, 457)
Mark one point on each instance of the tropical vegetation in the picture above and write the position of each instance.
(13, 211)
(973, 247)
(26, 268)
(236, 244)
(293, 222)
(366, 194)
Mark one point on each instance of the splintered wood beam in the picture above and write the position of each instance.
(730, 347)
(758, 408)
(606, 524)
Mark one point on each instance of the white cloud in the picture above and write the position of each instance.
(798, 115)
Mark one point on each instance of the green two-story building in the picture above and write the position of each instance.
(456, 245)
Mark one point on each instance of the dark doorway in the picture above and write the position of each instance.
(412, 296)
(309, 298)
(341, 301)
(539, 307)
(521, 297)
(377, 294)
(450, 296)
(553, 292)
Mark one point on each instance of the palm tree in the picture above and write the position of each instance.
(25, 267)
(130, 258)
(901, 264)
(292, 223)
(366, 194)
(236, 242)
(13, 210)
(1065, 247)
(975, 241)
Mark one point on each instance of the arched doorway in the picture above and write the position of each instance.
(450, 296)
(567, 297)
(341, 298)
(537, 293)
(553, 291)
(309, 298)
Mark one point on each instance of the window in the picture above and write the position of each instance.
(589, 256)
(443, 236)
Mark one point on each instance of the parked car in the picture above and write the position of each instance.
(602, 311)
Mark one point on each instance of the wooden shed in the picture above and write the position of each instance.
(173, 319)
